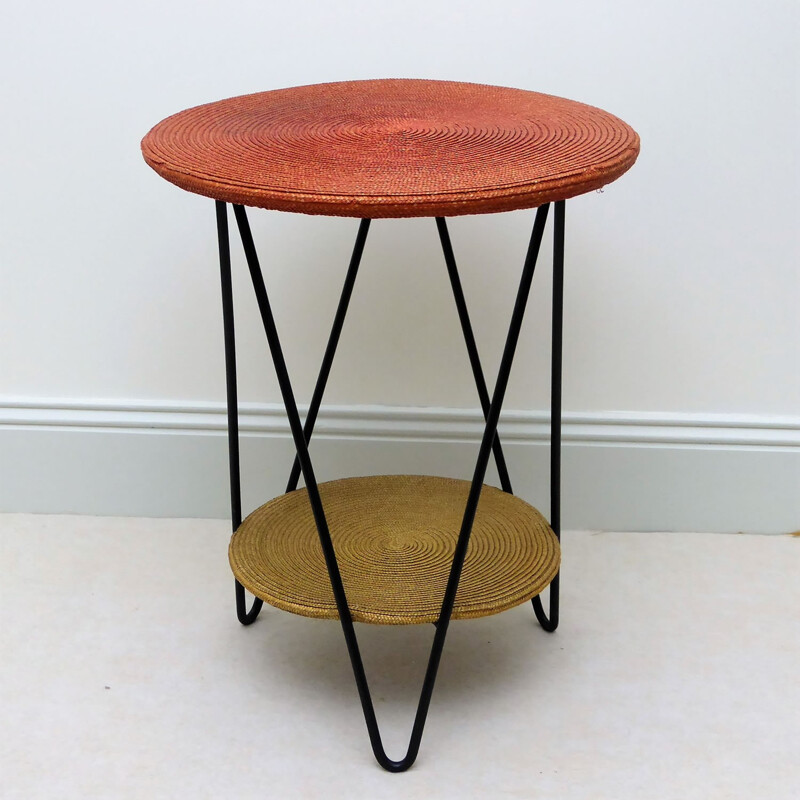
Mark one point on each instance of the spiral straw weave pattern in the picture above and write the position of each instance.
(392, 148)
(394, 537)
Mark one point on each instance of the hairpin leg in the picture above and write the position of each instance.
(550, 622)
(300, 437)
(245, 617)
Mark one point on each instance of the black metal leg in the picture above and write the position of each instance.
(489, 436)
(311, 485)
(300, 440)
(472, 347)
(550, 622)
(555, 448)
(330, 350)
(245, 617)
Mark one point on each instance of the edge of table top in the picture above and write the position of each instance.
(296, 150)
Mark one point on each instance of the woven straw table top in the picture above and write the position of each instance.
(392, 148)
(394, 537)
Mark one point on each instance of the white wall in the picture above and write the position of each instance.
(682, 287)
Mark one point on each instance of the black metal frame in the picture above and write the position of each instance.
(301, 434)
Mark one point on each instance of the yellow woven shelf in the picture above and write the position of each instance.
(394, 537)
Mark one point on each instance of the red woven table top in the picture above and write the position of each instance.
(392, 148)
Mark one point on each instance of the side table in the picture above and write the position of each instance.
(394, 549)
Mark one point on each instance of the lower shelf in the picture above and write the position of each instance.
(394, 537)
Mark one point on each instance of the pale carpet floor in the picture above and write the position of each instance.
(124, 674)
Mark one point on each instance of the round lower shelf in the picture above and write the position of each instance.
(394, 537)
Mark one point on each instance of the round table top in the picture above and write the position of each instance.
(392, 148)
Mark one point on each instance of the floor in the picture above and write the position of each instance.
(124, 674)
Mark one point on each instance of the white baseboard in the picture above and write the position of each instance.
(620, 471)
